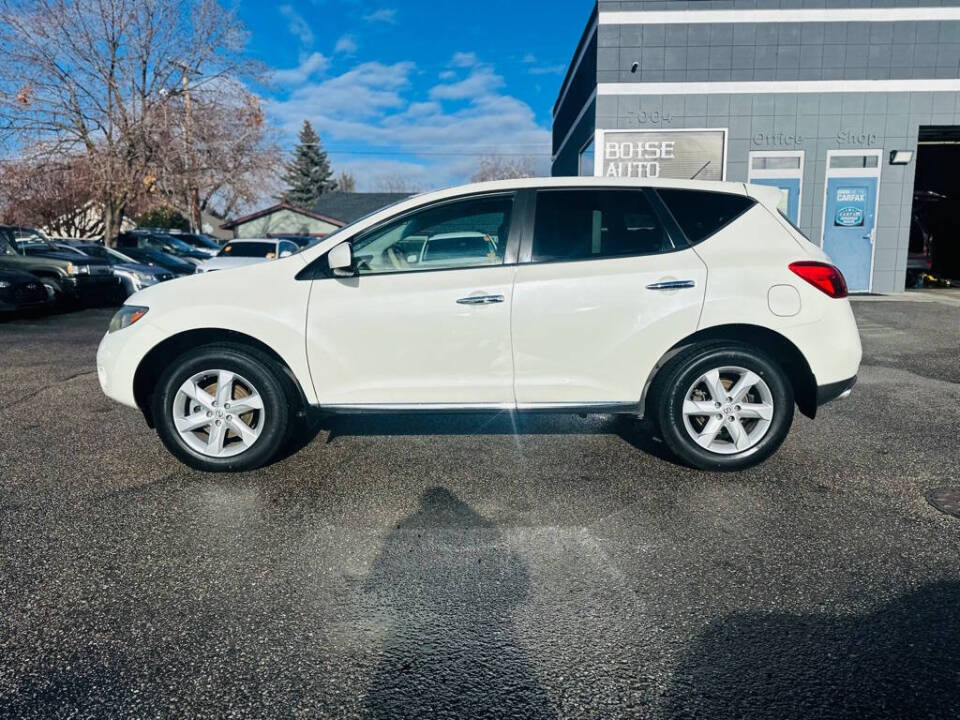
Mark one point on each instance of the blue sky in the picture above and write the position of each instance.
(414, 88)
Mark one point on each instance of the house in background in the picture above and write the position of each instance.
(348, 207)
(282, 219)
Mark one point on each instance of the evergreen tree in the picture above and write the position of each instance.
(309, 175)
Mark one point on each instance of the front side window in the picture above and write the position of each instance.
(592, 224)
(701, 213)
(461, 234)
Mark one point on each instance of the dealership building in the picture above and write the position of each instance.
(850, 107)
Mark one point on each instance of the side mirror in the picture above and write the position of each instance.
(285, 253)
(340, 260)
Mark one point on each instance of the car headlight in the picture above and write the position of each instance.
(145, 278)
(126, 316)
(77, 269)
(4, 284)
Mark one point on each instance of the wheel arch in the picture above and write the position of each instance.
(152, 365)
(773, 343)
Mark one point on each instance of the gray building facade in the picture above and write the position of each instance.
(826, 100)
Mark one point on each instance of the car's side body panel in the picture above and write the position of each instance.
(262, 301)
(749, 270)
(403, 338)
(590, 331)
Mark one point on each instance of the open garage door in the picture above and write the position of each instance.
(934, 256)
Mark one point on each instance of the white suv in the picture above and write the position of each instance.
(696, 304)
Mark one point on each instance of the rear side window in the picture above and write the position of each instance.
(588, 224)
(701, 213)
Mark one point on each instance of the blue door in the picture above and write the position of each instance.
(790, 188)
(848, 228)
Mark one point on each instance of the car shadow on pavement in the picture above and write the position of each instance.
(902, 661)
(641, 434)
(448, 582)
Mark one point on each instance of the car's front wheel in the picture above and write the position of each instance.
(724, 407)
(221, 408)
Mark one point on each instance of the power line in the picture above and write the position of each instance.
(433, 153)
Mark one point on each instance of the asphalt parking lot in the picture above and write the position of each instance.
(477, 566)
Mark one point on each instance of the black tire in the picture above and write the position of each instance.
(679, 375)
(270, 381)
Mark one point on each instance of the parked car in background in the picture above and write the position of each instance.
(69, 277)
(302, 241)
(133, 276)
(238, 253)
(156, 258)
(21, 291)
(151, 240)
(694, 304)
(200, 242)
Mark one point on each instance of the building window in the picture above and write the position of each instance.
(587, 160)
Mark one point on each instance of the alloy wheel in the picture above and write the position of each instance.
(728, 410)
(218, 413)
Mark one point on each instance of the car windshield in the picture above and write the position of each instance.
(175, 243)
(6, 247)
(105, 253)
(249, 250)
(201, 241)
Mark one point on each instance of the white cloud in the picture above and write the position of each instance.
(548, 70)
(384, 15)
(297, 25)
(464, 59)
(481, 81)
(346, 44)
(310, 65)
(434, 136)
(529, 58)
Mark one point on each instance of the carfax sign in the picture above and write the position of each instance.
(675, 154)
(851, 205)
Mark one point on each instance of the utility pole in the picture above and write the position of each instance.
(193, 191)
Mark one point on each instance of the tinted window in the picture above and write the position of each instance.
(584, 224)
(466, 233)
(700, 213)
(249, 249)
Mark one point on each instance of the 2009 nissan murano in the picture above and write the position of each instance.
(695, 304)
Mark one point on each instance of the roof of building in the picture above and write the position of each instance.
(350, 206)
(276, 208)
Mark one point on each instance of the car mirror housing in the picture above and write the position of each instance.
(340, 260)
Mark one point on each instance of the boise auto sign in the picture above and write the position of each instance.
(675, 154)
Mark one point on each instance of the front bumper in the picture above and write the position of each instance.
(118, 357)
(834, 391)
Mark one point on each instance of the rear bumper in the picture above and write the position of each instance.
(833, 391)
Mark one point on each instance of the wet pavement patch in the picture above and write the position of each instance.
(946, 500)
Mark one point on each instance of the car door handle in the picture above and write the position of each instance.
(671, 285)
(480, 300)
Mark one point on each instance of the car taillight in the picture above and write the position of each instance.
(823, 276)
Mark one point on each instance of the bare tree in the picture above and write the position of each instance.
(346, 182)
(396, 183)
(53, 194)
(225, 158)
(95, 77)
(499, 167)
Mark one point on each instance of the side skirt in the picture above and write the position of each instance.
(605, 408)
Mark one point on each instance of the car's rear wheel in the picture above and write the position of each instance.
(724, 407)
(221, 408)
